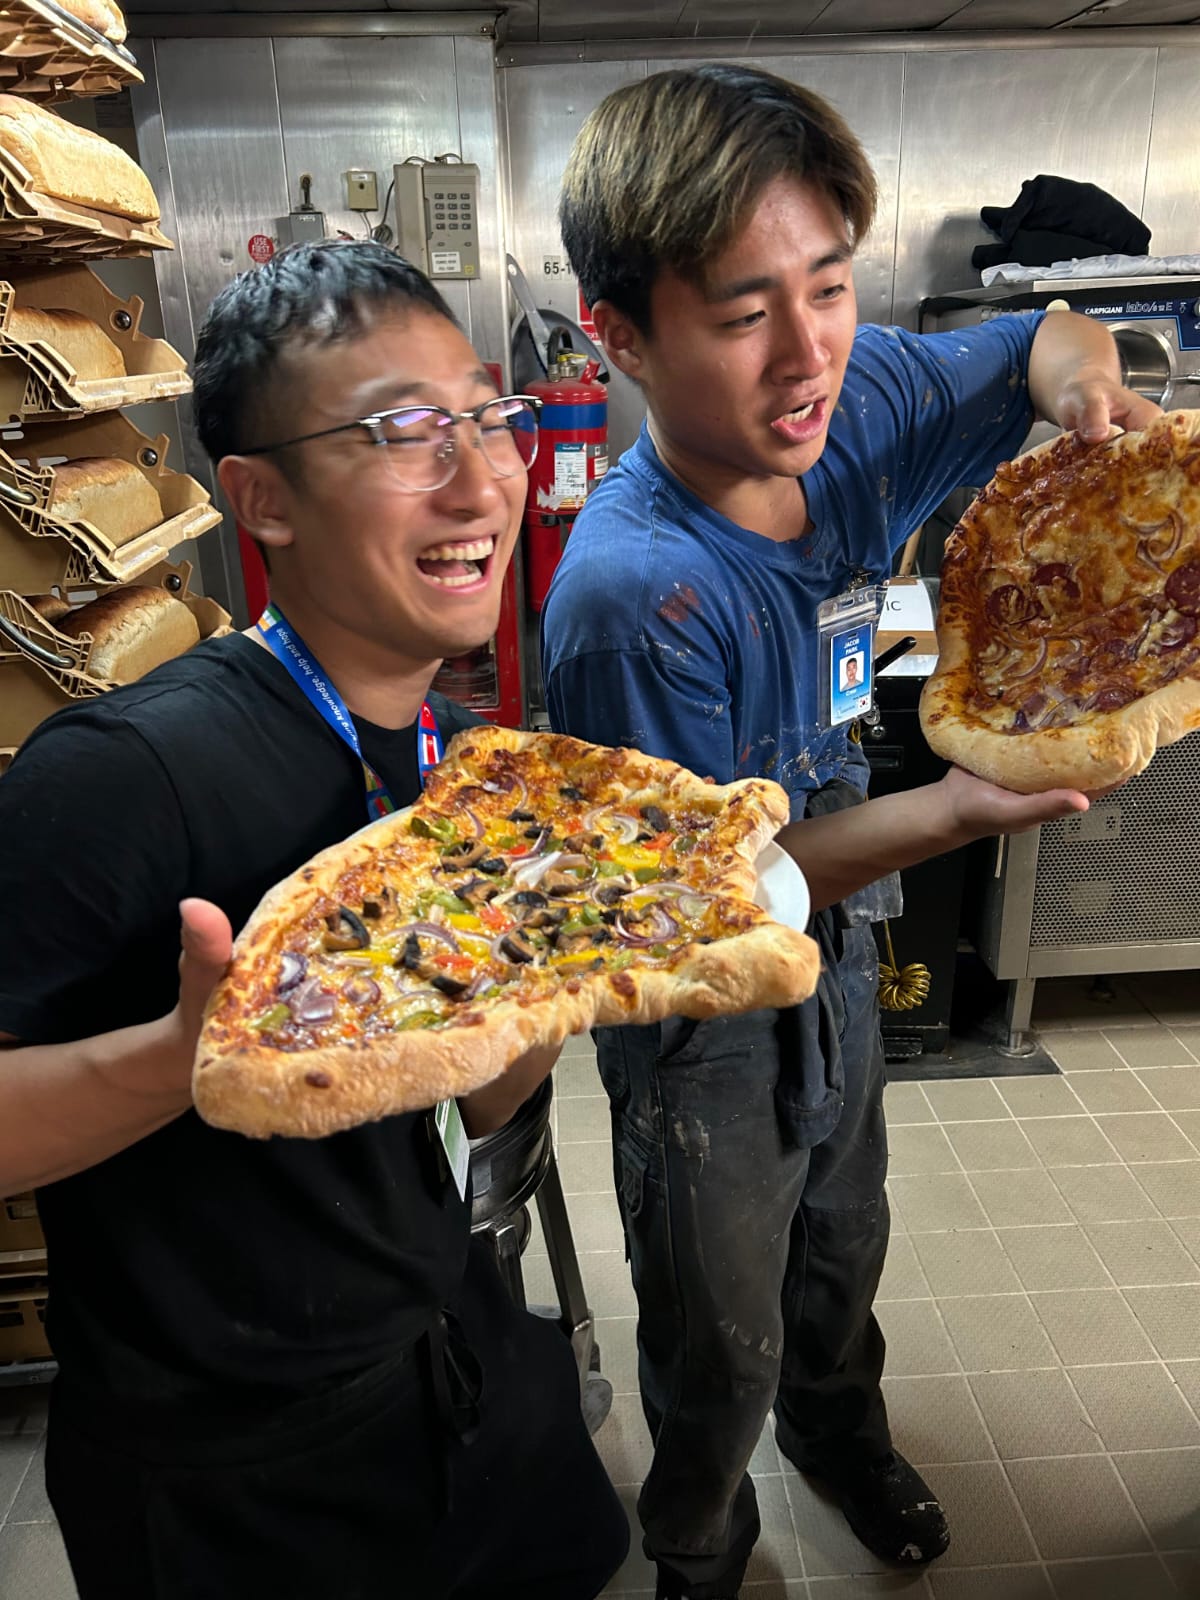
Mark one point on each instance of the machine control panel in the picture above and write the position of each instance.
(1182, 313)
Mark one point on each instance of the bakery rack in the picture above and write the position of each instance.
(49, 414)
(40, 552)
(35, 227)
(38, 384)
(47, 54)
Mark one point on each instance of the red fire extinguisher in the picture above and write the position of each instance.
(572, 458)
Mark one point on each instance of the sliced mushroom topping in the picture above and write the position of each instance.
(451, 987)
(546, 917)
(516, 947)
(476, 891)
(584, 841)
(467, 854)
(561, 883)
(374, 907)
(345, 931)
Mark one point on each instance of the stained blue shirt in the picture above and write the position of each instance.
(676, 631)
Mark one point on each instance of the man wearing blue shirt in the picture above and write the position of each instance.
(711, 215)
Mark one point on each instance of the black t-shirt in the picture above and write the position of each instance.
(197, 1258)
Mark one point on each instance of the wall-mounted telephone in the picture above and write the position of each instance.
(437, 217)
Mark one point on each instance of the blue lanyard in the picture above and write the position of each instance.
(291, 650)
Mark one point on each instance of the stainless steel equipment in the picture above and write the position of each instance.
(1155, 321)
(509, 1168)
(1116, 890)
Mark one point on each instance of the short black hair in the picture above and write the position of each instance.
(307, 295)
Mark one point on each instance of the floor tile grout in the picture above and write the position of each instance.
(1012, 1489)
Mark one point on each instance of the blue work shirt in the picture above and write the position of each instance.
(671, 629)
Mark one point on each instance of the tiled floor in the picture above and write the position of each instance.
(1041, 1302)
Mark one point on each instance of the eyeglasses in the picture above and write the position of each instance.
(423, 440)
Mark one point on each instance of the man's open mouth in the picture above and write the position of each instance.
(455, 566)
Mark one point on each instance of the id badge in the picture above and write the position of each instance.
(846, 642)
(447, 1119)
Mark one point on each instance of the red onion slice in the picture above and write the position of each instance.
(361, 991)
(662, 926)
(624, 828)
(485, 980)
(510, 784)
(426, 930)
(1043, 708)
(311, 1003)
(1039, 661)
(1110, 697)
(292, 967)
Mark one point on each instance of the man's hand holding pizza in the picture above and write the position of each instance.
(1075, 379)
(1092, 405)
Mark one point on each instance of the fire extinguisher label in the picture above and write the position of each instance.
(570, 476)
(599, 462)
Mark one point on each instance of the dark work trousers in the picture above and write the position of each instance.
(361, 1492)
(750, 1155)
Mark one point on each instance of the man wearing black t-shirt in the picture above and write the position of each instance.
(284, 1367)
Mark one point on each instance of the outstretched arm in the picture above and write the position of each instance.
(847, 850)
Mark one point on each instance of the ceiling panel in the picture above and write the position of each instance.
(882, 16)
(1144, 14)
(744, 19)
(1005, 15)
(607, 19)
(289, 6)
(570, 20)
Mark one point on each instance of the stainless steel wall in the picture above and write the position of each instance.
(948, 131)
(226, 127)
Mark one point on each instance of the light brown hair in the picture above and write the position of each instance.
(664, 172)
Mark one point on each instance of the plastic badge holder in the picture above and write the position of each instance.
(846, 646)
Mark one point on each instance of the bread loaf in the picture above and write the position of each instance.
(112, 495)
(70, 163)
(48, 606)
(133, 630)
(102, 15)
(82, 343)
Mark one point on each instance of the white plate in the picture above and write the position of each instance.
(782, 891)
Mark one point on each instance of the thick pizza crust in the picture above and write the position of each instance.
(1099, 752)
(1107, 750)
(260, 1091)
